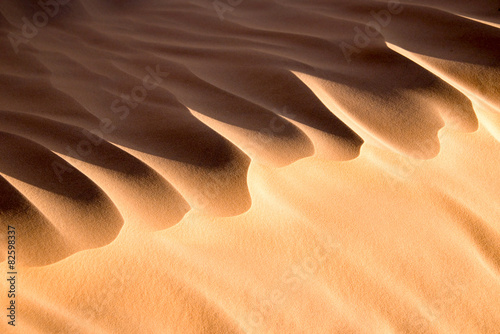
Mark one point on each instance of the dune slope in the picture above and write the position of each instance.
(251, 166)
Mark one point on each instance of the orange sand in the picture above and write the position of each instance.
(251, 166)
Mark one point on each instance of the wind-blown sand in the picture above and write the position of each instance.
(251, 166)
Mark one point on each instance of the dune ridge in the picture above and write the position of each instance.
(176, 129)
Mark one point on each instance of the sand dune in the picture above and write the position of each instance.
(251, 166)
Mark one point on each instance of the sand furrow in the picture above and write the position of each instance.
(237, 166)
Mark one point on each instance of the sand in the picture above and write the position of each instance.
(250, 166)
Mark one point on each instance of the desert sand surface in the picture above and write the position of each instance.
(250, 166)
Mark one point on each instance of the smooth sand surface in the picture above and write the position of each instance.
(286, 166)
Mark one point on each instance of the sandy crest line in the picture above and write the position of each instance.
(121, 106)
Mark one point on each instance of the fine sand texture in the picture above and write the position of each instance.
(250, 166)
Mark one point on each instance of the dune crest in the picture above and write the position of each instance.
(257, 166)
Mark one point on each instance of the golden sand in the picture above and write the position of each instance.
(250, 166)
